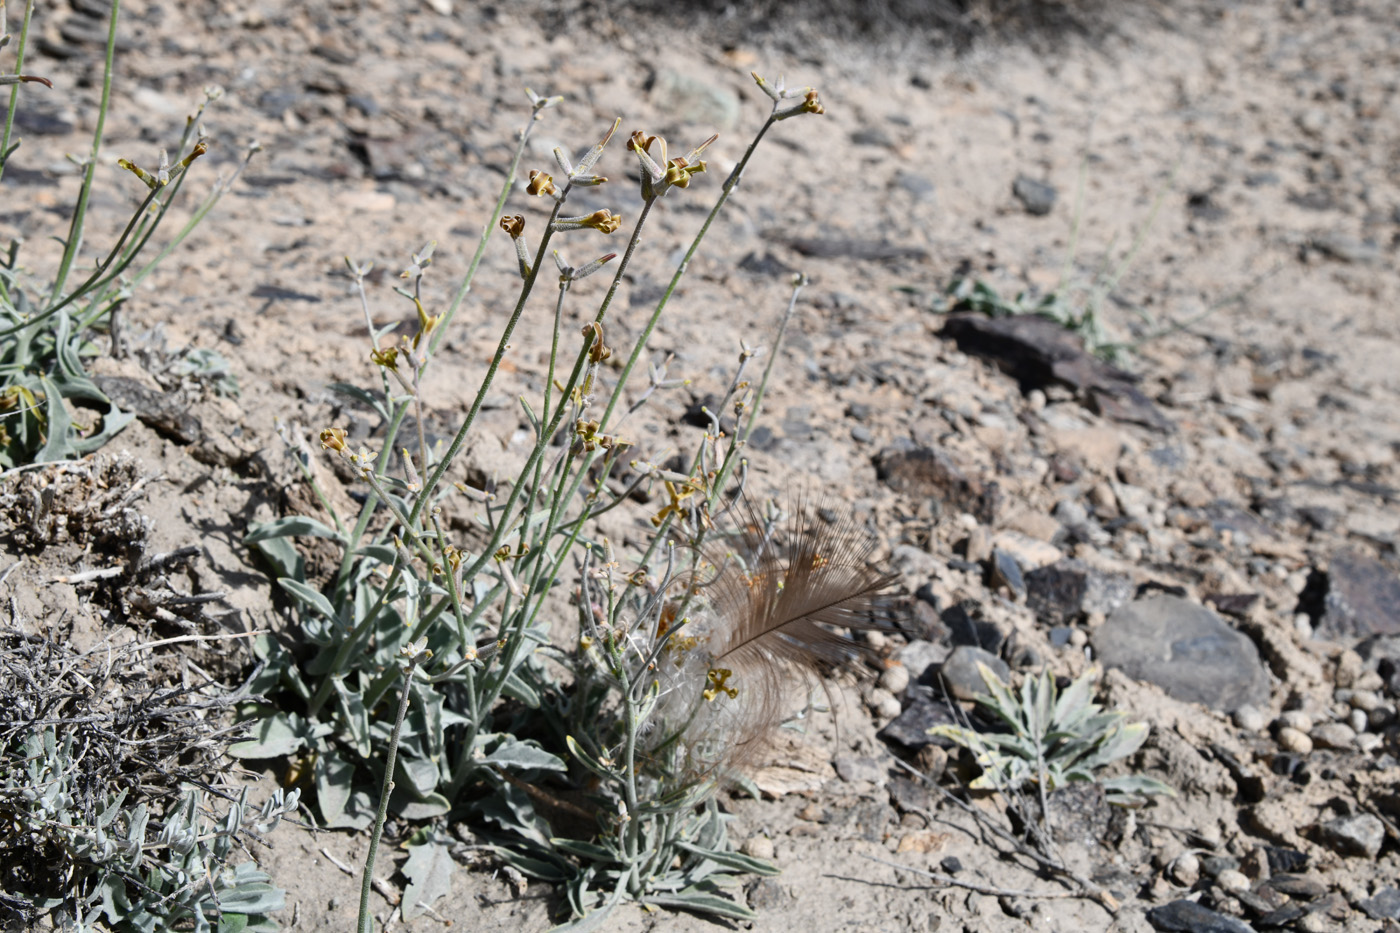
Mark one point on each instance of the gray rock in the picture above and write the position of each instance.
(1037, 197)
(1359, 835)
(1385, 904)
(1185, 649)
(1062, 591)
(690, 100)
(918, 656)
(1347, 249)
(1006, 572)
(1189, 917)
(864, 768)
(1333, 735)
(909, 730)
(960, 675)
(1363, 598)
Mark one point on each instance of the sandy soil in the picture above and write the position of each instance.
(1270, 134)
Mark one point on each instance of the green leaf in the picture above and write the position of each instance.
(276, 736)
(703, 902)
(587, 760)
(735, 860)
(309, 595)
(534, 867)
(429, 874)
(290, 526)
(513, 753)
(342, 807)
(283, 558)
(587, 850)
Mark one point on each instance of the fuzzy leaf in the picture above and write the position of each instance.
(513, 753)
(277, 735)
(429, 874)
(735, 860)
(289, 526)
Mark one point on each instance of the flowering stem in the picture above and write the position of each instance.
(385, 790)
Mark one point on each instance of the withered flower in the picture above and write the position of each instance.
(333, 439)
(513, 225)
(541, 183)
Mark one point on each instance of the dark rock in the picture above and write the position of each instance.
(922, 471)
(1185, 649)
(163, 412)
(864, 768)
(698, 413)
(909, 796)
(1055, 593)
(1362, 598)
(1285, 860)
(1298, 886)
(768, 894)
(917, 186)
(859, 250)
(1060, 635)
(1359, 835)
(1006, 572)
(1079, 814)
(961, 677)
(1037, 352)
(1319, 516)
(1204, 206)
(1037, 197)
(1283, 916)
(1060, 592)
(951, 864)
(965, 629)
(1244, 526)
(872, 136)
(1233, 604)
(909, 730)
(1189, 917)
(765, 264)
(1385, 904)
(1213, 865)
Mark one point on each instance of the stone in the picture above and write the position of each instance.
(923, 471)
(1295, 741)
(965, 628)
(1333, 735)
(960, 674)
(1232, 880)
(1251, 719)
(1283, 859)
(1006, 572)
(895, 679)
(1185, 869)
(852, 769)
(1295, 719)
(758, 847)
(1036, 196)
(691, 100)
(1185, 649)
(1028, 551)
(1362, 598)
(1298, 886)
(1185, 916)
(922, 658)
(1037, 352)
(1384, 904)
(1359, 835)
(909, 730)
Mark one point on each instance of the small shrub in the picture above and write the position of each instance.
(1055, 738)
(47, 326)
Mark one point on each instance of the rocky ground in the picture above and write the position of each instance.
(1215, 523)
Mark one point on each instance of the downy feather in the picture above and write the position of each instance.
(762, 624)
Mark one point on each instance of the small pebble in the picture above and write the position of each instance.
(1035, 400)
(1358, 720)
(1380, 717)
(1296, 719)
(759, 847)
(1369, 742)
(1297, 582)
(1186, 869)
(1333, 735)
(1251, 719)
(1079, 638)
(1232, 880)
(1294, 740)
(1302, 623)
(895, 679)
(1365, 700)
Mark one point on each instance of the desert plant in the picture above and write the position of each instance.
(1055, 738)
(102, 822)
(47, 324)
(484, 728)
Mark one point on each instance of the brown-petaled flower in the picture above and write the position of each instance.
(811, 103)
(541, 183)
(333, 439)
(513, 225)
(388, 357)
(604, 221)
